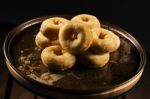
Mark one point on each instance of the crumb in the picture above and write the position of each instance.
(21, 51)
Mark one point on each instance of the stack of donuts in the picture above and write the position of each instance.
(82, 37)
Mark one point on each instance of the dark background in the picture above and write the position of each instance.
(131, 15)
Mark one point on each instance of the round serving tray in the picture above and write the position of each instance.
(52, 91)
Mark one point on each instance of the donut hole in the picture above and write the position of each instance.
(57, 22)
(102, 36)
(58, 52)
(71, 35)
(74, 36)
(85, 19)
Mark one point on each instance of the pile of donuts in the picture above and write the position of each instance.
(64, 42)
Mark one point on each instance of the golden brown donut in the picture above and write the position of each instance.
(75, 37)
(90, 20)
(56, 58)
(42, 41)
(50, 27)
(96, 32)
(106, 42)
(94, 60)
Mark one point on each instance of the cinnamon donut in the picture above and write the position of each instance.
(87, 19)
(55, 58)
(106, 42)
(75, 37)
(41, 41)
(50, 27)
(94, 60)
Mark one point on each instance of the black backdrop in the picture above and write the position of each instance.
(131, 15)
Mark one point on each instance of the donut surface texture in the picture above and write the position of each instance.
(55, 58)
(106, 42)
(87, 19)
(75, 37)
(50, 27)
(41, 41)
(94, 60)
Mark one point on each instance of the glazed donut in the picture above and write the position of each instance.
(41, 41)
(106, 42)
(50, 27)
(90, 20)
(94, 60)
(75, 37)
(55, 58)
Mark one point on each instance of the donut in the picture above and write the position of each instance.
(94, 60)
(55, 58)
(106, 42)
(41, 41)
(96, 32)
(50, 27)
(90, 20)
(75, 37)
